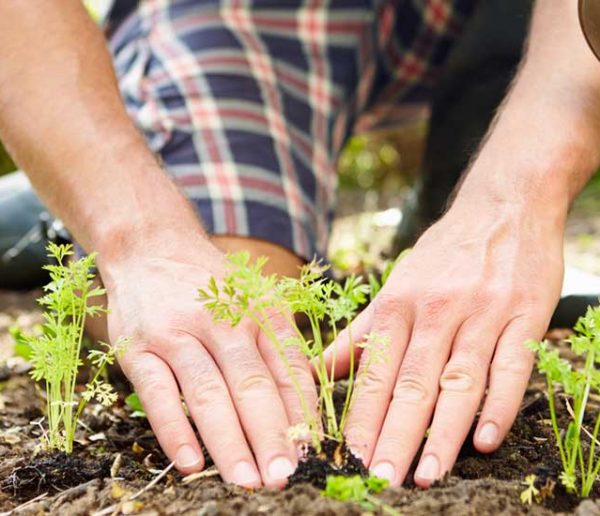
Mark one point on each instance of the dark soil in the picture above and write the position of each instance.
(82, 483)
(333, 459)
(116, 455)
(52, 472)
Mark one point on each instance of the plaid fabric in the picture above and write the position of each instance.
(248, 102)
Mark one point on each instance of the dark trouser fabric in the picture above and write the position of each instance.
(472, 85)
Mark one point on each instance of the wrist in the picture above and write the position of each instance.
(540, 176)
(152, 221)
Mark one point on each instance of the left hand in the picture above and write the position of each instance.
(458, 309)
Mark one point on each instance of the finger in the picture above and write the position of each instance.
(337, 355)
(414, 395)
(461, 388)
(152, 379)
(257, 402)
(291, 372)
(509, 376)
(374, 385)
(211, 407)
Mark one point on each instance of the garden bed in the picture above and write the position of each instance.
(116, 456)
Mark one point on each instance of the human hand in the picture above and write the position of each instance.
(458, 309)
(238, 394)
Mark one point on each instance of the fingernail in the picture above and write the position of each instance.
(384, 470)
(429, 468)
(280, 468)
(244, 474)
(187, 457)
(488, 434)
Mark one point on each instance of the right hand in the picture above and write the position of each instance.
(238, 393)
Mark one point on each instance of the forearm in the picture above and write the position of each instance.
(63, 121)
(543, 145)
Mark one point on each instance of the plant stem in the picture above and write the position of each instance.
(333, 357)
(563, 457)
(587, 479)
(326, 386)
(350, 389)
(580, 405)
(78, 322)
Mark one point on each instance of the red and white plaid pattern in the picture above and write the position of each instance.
(248, 102)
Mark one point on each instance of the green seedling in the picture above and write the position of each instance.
(530, 493)
(577, 451)
(359, 490)
(247, 293)
(55, 352)
(133, 402)
(22, 347)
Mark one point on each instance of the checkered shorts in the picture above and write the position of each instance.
(248, 102)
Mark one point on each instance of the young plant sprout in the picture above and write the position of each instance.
(577, 452)
(246, 292)
(359, 490)
(55, 352)
(530, 493)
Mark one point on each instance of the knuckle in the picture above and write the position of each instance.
(494, 291)
(389, 305)
(253, 384)
(434, 305)
(373, 382)
(513, 365)
(295, 373)
(483, 300)
(151, 385)
(146, 380)
(279, 324)
(358, 434)
(297, 362)
(411, 387)
(151, 331)
(390, 309)
(207, 391)
(241, 352)
(524, 296)
(460, 378)
(391, 444)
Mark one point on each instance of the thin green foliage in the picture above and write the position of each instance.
(247, 293)
(577, 451)
(531, 493)
(359, 490)
(22, 347)
(55, 352)
(134, 403)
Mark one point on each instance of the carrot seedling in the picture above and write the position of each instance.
(578, 455)
(55, 352)
(359, 490)
(531, 493)
(247, 293)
